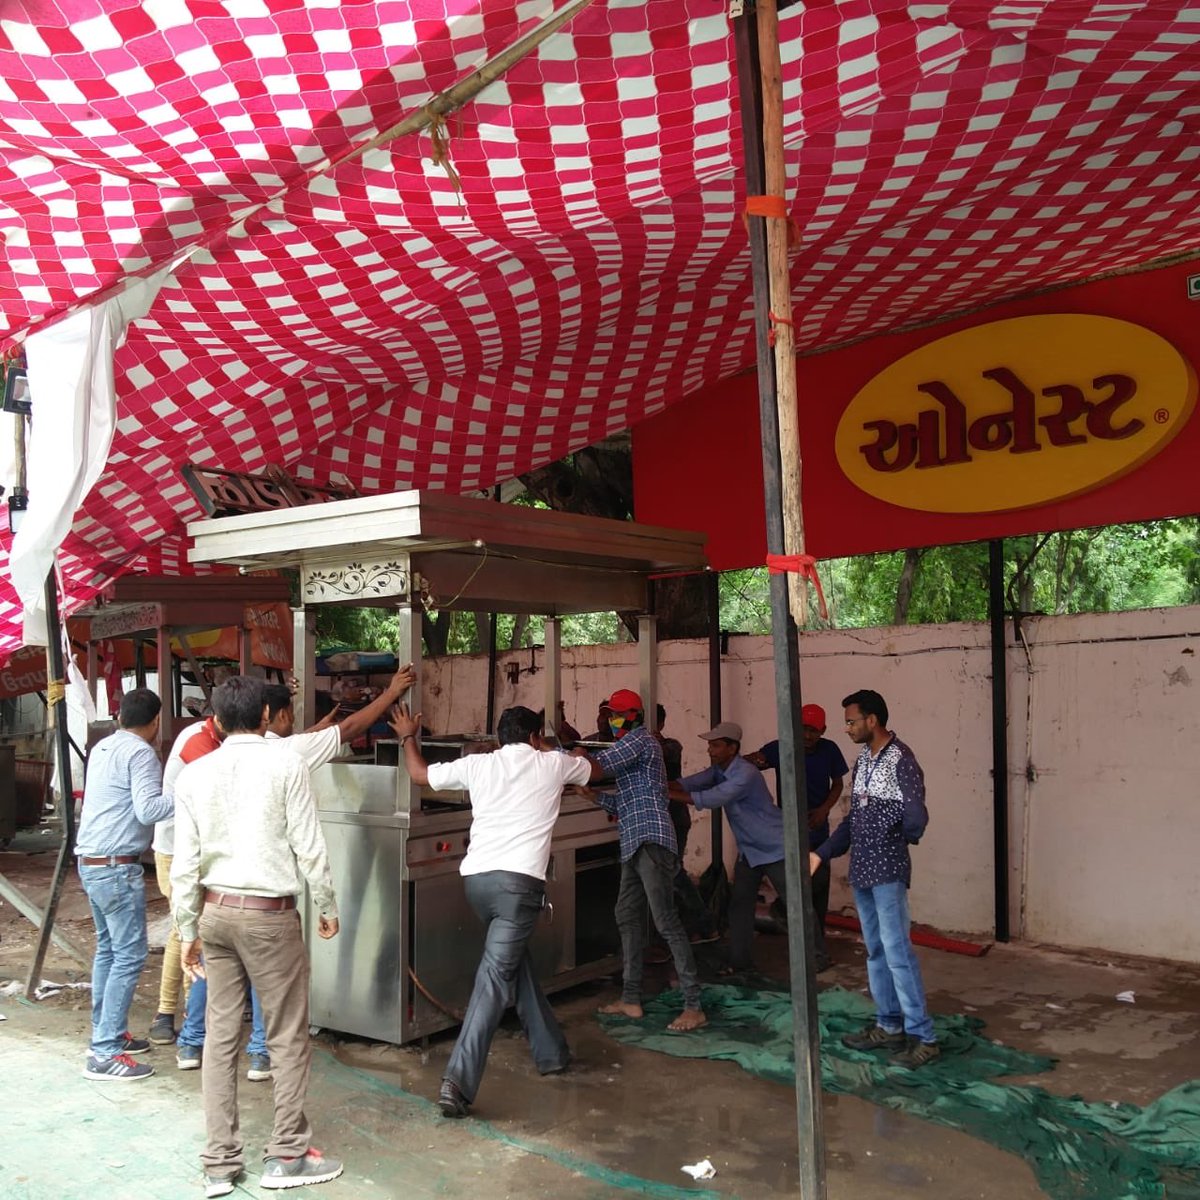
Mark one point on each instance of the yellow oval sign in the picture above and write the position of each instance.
(1015, 414)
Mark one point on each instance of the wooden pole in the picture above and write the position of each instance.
(771, 72)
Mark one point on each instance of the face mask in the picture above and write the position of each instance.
(620, 725)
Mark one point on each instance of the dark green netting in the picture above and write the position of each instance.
(1078, 1150)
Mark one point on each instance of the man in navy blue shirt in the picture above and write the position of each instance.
(887, 815)
(824, 772)
(734, 786)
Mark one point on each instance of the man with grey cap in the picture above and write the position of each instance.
(732, 784)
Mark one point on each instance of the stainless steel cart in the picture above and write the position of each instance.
(403, 965)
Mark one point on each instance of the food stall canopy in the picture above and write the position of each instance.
(562, 256)
(458, 552)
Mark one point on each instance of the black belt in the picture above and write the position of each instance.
(234, 900)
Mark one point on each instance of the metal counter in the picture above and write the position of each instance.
(404, 960)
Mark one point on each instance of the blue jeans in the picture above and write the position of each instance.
(892, 968)
(509, 905)
(117, 896)
(192, 1033)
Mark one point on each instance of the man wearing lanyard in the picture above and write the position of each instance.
(122, 799)
(887, 815)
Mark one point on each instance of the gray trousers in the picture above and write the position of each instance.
(744, 899)
(648, 878)
(267, 949)
(509, 904)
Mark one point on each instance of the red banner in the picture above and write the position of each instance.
(25, 672)
(1071, 409)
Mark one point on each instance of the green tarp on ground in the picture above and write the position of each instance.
(1078, 1150)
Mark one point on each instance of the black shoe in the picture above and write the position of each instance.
(875, 1039)
(560, 1069)
(917, 1055)
(162, 1030)
(451, 1101)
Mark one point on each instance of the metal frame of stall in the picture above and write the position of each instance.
(412, 551)
(159, 608)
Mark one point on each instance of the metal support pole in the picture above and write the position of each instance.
(806, 1028)
(491, 686)
(30, 911)
(165, 660)
(713, 605)
(93, 680)
(408, 650)
(999, 734)
(648, 667)
(55, 689)
(552, 641)
(304, 664)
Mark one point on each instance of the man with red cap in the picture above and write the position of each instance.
(649, 857)
(824, 775)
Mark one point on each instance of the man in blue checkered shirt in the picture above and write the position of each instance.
(649, 858)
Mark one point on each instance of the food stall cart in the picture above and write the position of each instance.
(161, 609)
(403, 963)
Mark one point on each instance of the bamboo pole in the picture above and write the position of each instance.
(771, 72)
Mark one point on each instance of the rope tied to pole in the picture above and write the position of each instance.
(804, 565)
(772, 208)
(56, 691)
(778, 320)
(440, 137)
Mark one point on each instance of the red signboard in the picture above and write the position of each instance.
(1071, 409)
(25, 672)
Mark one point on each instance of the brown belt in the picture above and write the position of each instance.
(269, 903)
(111, 860)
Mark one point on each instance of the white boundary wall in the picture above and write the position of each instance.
(1104, 812)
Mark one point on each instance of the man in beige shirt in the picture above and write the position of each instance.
(246, 840)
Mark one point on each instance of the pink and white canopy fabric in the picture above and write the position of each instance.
(368, 319)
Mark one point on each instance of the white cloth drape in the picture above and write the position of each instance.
(74, 417)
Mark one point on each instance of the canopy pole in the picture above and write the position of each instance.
(999, 735)
(786, 650)
(713, 604)
(56, 692)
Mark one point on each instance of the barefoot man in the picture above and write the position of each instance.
(649, 857)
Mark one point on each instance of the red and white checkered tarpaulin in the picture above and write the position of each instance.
(362, 317)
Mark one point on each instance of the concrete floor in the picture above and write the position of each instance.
(623, 1121)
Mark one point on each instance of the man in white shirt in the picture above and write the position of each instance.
(192, 742)
(247, 838)
(316, 747)
(515, 796)
(324, 741)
